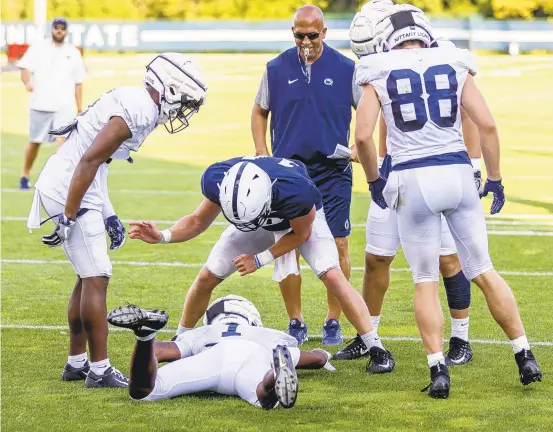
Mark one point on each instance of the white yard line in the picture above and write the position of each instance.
(311, 336)
(198, 265)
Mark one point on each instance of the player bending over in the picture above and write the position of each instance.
(274, 208)
(232, 354)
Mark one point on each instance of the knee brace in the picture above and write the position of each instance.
(457, 289)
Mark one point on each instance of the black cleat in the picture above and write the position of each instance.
(111, 378)
(142, 321)
(355, 350)
(71, 373)
(439, 382)
(528, 367)
(286, 380)
(381, 361)
(459, 352)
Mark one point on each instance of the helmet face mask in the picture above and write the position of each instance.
(181, 87)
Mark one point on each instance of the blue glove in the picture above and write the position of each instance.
(116, 232)
(61, 233)
(495, 187)
(376, 187)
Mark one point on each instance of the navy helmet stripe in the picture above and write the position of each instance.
(235, 191)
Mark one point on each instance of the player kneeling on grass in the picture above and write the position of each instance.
(274, 208)
(72, 189)
(232, 354)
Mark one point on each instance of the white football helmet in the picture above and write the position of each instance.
(406, 23)
(181, 86)
(245, 196)
(232, 309)
(362, 29)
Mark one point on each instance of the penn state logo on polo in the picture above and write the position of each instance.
(328, 81)
(346, 224)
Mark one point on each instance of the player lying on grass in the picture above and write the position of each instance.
(73, 190)
(232, 354)
(274, 208)
(421, 88)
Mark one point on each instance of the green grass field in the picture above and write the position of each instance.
(163, 184)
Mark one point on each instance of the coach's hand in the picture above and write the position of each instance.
(146, 231)
(376, 187)
(245, 264)
(495, 187)
(61, 233)
(116, 232)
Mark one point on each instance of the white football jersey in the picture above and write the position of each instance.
(195, 341)
(420, 93)
(134, 105)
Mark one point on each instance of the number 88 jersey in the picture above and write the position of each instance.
(420, 93)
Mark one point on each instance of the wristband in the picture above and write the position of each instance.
(165, 237)
(476, 164)
(263, 258)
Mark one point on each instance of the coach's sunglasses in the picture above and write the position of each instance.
(310, 36)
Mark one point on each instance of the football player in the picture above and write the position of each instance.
(381, 229)
(421, 88)
(72, 189)
(231, 354)
(274, 208)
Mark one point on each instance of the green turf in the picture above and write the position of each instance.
(486, 394)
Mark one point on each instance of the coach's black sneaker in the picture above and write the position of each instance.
(142, 321)
(71, 373)
(459, 352)
(528, 367)
(286, 380)
(111, 378)
(355, 350)
(439, 382)
(381, 361)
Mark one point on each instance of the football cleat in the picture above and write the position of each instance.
(71, 373)
(111, 378)
(381, 361)
(439, 382)
(528, 367)
(286, 380)
(24, 183)
(298, 330)
(332, 333)
(459, 352)
(142, 321)
(355, 350)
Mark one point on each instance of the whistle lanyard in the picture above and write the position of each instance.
(304, 69)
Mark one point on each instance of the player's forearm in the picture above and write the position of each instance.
(366, 152)
(489, 142)
(82, 179)
(315, 359)
(25, 76)
(187, 228)
(288, 243)
(382, 135)
(471, 136)
(259, 122)
(79, 97)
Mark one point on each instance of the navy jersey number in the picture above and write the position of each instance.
(415, 97)
(231, 331)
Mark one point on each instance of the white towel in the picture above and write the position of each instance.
(285, 265)
(34, 215)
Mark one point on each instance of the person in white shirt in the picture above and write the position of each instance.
(53, 72)
(231, 354)
(72, 189)
(421, 89)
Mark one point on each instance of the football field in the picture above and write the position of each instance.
(163, 185)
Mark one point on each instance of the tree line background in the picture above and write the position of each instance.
(15, 10)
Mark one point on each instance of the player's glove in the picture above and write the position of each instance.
(495, 187)
(327, 365)
(61, 233)
(376, 187)
(478, 181)
(116, 232)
